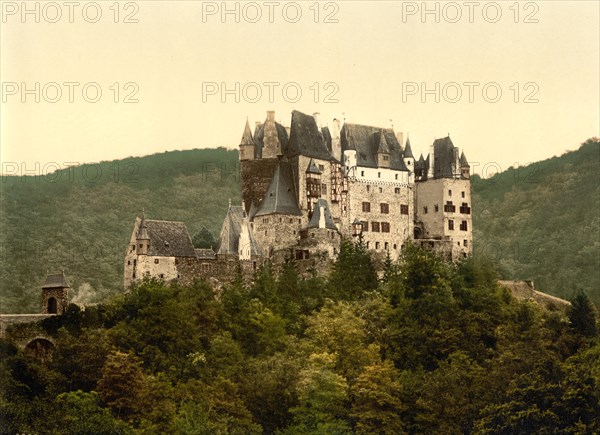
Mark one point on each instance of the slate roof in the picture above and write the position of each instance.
(383, 145)
(247, 135)
(56, 281)
(365, 140)
(444, 159)
(169, 239)
(313, 168)
(306, 139)
(259, 136)
(322, 207)
(327, 137)
(463, 160)
(281, 194)
(230, 232)
(408, 150)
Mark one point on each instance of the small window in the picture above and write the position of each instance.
(403, 208)
(367, 245)
(156, 261)
(436, 208)
(280, 220)
(375, 227)
(161, 276)
(396, 176)
(386, 157)
(451, 224)
(462, 194)
(381, 190)
(205, 267)
(395, 246)
(366, 207)
(321, 168)
(323, 189)
(465, 243)
(365, 226)
(362, 173)
(128, 262)
(397, 190)
(463, 226)
(379, 175)
(140, 246)
(386, 246)
(449, 192)
(368, 188)
(385, 227)
(385, 208)
(425, 210)
(376, 245)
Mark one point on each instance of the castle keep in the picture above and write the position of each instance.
(307, 187)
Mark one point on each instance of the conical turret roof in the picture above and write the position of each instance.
(247, 136)
(463, 160)
(407, 150)
(143, 230)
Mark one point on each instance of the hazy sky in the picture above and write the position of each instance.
(373, 58)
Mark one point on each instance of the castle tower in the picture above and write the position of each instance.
(142, 239)
(55, 294)
(272, 145)
(465, 169)
(313, 184)
(409, 159)
(336, 140)
(247, 145)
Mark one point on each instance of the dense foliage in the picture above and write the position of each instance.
(541, 221)
(432, 347)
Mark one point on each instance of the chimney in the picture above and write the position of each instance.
(336, 141)
(400, 137)
(316, 115)
(431, 161)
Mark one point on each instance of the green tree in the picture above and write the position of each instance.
(204, 239)
(81, 413)
(582, 315)
(353, 272)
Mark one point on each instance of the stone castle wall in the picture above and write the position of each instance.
(256, 177)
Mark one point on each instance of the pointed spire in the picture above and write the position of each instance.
(247, 136)
(463, 161)
(383, 145)
(143, 230)
(407, 148)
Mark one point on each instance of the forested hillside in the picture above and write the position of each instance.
(437, 349)
(81, 218)
(542, 221)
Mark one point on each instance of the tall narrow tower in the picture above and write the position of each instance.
(55, 294)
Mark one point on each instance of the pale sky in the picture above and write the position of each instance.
(376, 59)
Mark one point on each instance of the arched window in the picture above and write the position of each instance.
(52, 308)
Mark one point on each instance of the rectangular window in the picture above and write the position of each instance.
(156, 261)
(385, 208)
(449, 193)
(463, 226)
(385, 227)
(323, 189)
(396, 176)
(387, 246)
(465, 209)
(397, 190)
(321, 168)
(366, 207)
(386, 157)
(368, 187)
(375, 227)
(376, 245)
(425, 210)
(381, 190)
(403, 208)
(462, 194)
(465, 243)
(365, 226)
(451, 225)
(362, 173)
(436, 208)
(205, 267)
(449, 207)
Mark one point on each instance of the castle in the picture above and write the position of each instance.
(306, 187)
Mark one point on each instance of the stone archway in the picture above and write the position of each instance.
(40, 348)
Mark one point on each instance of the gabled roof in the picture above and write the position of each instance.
(443, 150)
(142, 233)
(407, 149)
(230, 232)
(247, 136)
(365, 140)
(281, 194)
(169, 239)
(383, 145)
(322, 209)
(56, 281)
(313, 168)
(306, 139)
